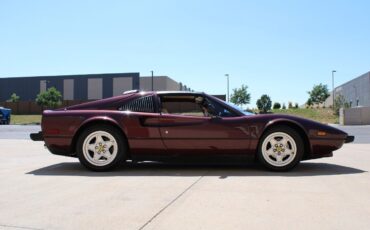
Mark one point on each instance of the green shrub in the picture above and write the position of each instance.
(50, 98)
(276, 105)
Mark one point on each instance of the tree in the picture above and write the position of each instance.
(276, 105)
(284, 107)
(50, 98)
(309, 103)
(296, 106)
(240, 96)
(319, 94)
(14, 98)
(290, 105)
(340, 102)
(264, 103)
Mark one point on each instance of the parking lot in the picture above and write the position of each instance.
(43, 191)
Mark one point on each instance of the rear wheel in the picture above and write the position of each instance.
(101, 148)
(281, 148)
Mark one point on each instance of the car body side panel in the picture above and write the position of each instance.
(58, 130)
(60, 127)
(191, 135)
(143, 134)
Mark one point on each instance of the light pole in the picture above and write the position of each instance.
(332, 84)
(228, 95)
(152, 80)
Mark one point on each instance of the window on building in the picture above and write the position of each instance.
(143, 104)
(68, 89)
(94, 88)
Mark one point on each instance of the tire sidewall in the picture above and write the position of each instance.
(298, 141)
(121, 151)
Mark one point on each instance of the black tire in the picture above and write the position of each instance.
(119, 157)
(295, 158)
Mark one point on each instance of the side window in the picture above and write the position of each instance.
(216, 109)
(193, 105)
(181, 105)
(142, 104)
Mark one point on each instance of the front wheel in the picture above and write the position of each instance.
(281, 149)
(101, 148)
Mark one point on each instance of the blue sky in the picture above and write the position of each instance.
(281, 48)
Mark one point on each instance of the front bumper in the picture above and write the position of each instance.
(349, 139)
(37, 136)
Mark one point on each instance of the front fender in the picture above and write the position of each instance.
(282, 121)
(293, 124)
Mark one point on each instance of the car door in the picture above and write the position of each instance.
(188, 132)
(140, 121)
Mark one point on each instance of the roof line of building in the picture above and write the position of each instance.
(72, 75)
(362, 75)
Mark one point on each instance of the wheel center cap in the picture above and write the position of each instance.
(280, 149)
(100, 148)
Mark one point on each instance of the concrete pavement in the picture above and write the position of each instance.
(42, 191)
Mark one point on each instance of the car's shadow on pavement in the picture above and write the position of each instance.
(183, 170)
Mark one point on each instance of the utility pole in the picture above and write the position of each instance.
(228, 95)
(152, 80)
(332, 83)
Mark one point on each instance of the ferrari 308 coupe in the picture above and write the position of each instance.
(160, 126)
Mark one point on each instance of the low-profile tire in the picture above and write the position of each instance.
(101, 148)
(281, 148)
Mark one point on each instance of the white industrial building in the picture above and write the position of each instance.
(356, 92)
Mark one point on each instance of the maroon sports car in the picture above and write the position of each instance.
(158, 126)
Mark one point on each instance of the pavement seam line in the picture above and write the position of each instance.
(22, 227)
(171, 202)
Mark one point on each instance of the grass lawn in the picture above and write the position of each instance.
(321, 115)
(25, 119)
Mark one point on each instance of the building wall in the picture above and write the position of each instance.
(356, 92)
(121, 85)
(161, 83)
(85, 87)
(77, 86)
(355, 116)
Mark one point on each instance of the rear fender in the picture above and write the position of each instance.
(95, 121)
(98, 119)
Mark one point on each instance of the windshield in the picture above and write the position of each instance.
(239, 109)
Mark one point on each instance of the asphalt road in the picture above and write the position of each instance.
(361, 132)
(18, 131)
(39, 190)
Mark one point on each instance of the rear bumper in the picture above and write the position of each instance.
(349, 139)
(37, 136)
